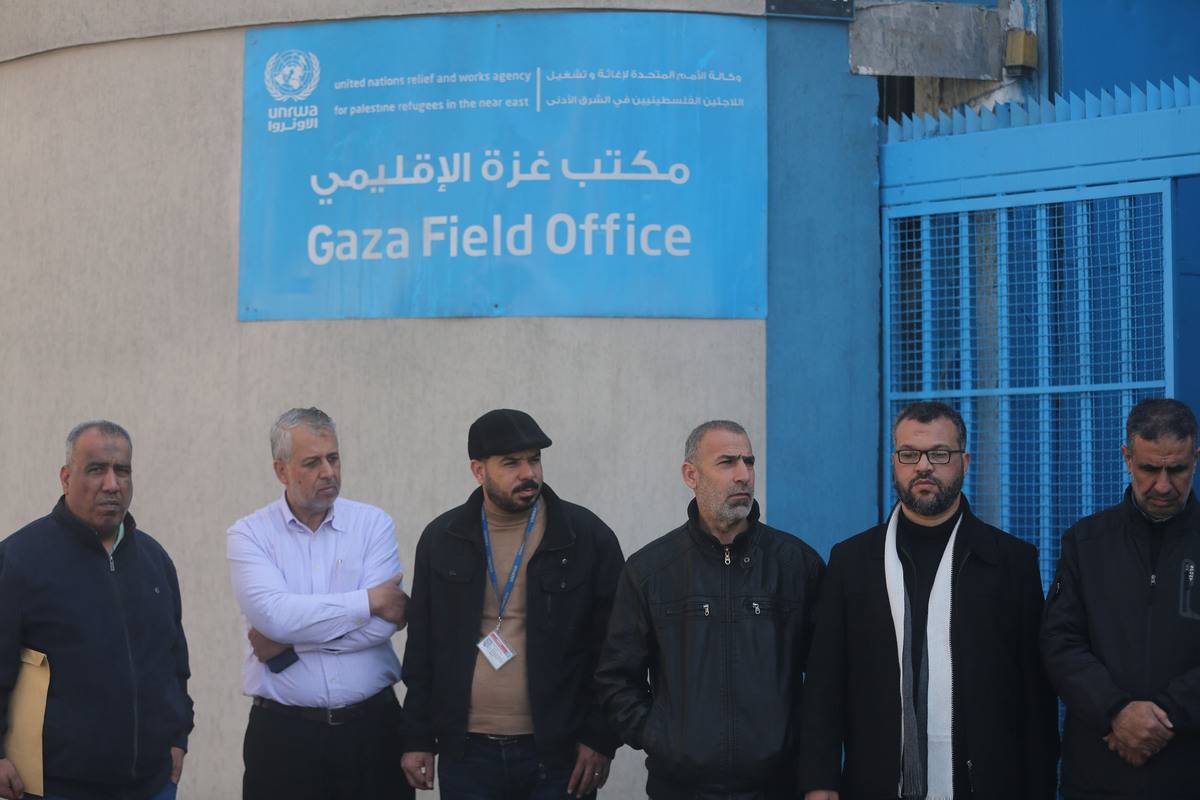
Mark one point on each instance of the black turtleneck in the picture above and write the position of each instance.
(921, 548)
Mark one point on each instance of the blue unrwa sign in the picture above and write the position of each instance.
(566, 164)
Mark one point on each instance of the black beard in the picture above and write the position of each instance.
(932, 506)
(511, 504)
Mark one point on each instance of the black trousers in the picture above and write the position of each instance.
(300, 759)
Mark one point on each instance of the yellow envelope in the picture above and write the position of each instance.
(27, 714)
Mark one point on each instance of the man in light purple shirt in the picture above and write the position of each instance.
(318, 580)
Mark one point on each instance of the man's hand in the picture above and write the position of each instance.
(418, 768)
(388, 601)
(1132, 757)
(264, 649)
(1143, 726)
(177, 754)
(590, 773)
(821, 794)
(11, 787)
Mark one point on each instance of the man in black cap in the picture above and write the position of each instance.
(511, 595)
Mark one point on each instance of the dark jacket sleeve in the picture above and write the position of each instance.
(814, 576)
(1081, 679)
(812, 599)
(1181, 700)
(182, 670)
(1041, 705)
(824, 685)
(597, 733)
(418, 659)
(622, 682)
(10, 638)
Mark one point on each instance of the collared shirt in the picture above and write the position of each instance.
(117, 541)
(309, 589)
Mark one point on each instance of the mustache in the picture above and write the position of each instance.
(739, 488)
(523, 485)
(929, 478)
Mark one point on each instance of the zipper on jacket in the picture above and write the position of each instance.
(1188, 581)
(727, 636)
(112, 569)
(971, 776)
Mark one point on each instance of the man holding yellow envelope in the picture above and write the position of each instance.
(99, 598)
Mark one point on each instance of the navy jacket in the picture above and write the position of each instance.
(113, 634)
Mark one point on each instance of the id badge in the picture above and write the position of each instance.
(495, 650)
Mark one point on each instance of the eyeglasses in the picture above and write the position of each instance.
(937, 456)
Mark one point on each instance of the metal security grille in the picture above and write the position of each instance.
(1043, 322)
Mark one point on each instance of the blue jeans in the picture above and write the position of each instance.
(166, 793)
(504, 768)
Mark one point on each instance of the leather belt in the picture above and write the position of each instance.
(338, 715)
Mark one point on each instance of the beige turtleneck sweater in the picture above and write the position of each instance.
(500, 698)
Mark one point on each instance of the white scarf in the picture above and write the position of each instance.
(939, 770)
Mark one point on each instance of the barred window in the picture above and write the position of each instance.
(1043, 322)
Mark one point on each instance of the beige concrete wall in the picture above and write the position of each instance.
(36, 26)
(119, 185)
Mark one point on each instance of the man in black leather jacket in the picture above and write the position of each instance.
(718, 612)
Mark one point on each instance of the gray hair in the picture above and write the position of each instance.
(105, 427)
(314, 419)
(1157, 417)
(693, 440)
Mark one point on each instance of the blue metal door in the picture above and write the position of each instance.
(1028, 280)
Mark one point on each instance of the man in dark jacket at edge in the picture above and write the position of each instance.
(510, 599)
(100, 598)
(924, 664)
(718, 613)
(1121, 636)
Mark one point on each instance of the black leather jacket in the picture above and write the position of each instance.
(569, 588)
(723, 632)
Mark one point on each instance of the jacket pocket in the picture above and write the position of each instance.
(565, 597)
(766, 607)
(1187, 584)
(682, 609)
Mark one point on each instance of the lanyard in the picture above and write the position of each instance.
(491, 564)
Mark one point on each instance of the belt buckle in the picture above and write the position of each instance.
(332, 718)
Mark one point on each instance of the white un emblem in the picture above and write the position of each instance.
(292, 74)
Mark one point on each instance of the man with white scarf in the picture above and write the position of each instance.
(924, 665)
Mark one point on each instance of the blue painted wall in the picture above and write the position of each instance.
(1099, 43)
(823, 324)
(1186, 247)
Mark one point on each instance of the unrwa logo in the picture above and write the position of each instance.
(292, 74)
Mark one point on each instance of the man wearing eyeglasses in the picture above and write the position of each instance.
(938, 610)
